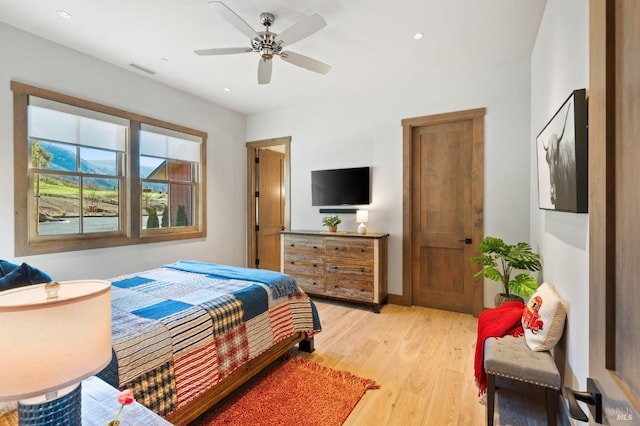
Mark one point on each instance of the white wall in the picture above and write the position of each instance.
(365, 130)
(33, 60)
(559, 65)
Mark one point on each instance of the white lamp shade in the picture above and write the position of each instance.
(50, 344)
(362, 216)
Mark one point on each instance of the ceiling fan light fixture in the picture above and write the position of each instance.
(267, 19)
(268, 44)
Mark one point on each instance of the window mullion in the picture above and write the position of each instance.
(134, 183)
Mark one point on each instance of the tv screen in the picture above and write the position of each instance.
(340, 187)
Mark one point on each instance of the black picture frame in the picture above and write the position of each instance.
(562, 158)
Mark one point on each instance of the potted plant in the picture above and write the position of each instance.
(501, 260)
(332, 222)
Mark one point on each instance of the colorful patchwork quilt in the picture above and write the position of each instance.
(180, 329)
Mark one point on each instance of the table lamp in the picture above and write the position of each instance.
(53, 336)
(362, 216)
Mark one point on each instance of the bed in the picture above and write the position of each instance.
(187, 334)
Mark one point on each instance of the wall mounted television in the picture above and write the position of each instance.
(337, 187)
(562, 153)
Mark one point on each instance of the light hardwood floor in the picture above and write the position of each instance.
(423, 361)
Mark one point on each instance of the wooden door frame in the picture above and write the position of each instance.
(477, 118)
(603, 143)
(252, 149)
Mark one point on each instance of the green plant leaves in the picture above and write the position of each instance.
(523, 284)
(500, 259)
(331, 220)
(492, 245)
(521, 257)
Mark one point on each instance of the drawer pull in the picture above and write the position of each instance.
(293, 263)
(335, 286)
(293, 245)
(314, 283)
(362, 270)
(361, 250)
(315, 247)
(315, 266)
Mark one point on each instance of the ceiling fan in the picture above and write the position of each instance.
(269, 44)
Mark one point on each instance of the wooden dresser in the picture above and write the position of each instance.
(338, 265)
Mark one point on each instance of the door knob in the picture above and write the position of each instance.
(593, 398)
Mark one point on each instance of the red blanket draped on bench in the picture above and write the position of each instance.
(497, 322)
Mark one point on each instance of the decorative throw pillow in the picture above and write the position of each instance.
(543, 319)
(6, 267)
(23, 275)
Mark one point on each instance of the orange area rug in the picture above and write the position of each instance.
(296, 392)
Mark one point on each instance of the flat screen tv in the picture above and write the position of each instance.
(338, 187)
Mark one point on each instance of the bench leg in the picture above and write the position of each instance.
(552, 406)
(491, 397)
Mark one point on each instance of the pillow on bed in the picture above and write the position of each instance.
(543, 319)
(23, 275)
(6, 267)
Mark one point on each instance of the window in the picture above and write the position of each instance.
(75, 170)
(169, 165)
(89, 176)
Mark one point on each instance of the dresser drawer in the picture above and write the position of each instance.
(361, 271)
(311, 284)
(300, 263)
(349, 289)
(304, 244)
(346, 248)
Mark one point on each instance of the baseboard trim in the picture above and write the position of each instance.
(395, 299)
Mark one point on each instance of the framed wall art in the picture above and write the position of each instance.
(562, 154)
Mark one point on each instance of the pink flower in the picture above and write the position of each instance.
(125, 398)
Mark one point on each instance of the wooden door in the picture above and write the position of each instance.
(270, 211)
(614, 207)
(445, 219)
(268, 200)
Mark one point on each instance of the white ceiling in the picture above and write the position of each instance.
(368, 43)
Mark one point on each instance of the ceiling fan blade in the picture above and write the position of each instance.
(222, 51)
(264, 71)
(302, 29)
(305, 62)
(233, 19)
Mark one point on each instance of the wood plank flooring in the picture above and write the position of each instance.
(423, 360)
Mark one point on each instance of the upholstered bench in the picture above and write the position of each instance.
(510, 357)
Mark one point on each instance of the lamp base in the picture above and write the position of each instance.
(362, 228)
(64, 410)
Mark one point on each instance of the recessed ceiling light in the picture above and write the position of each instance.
(64, 14)
(227, 89)
(418, 36)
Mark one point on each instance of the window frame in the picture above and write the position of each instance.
(132, 192)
